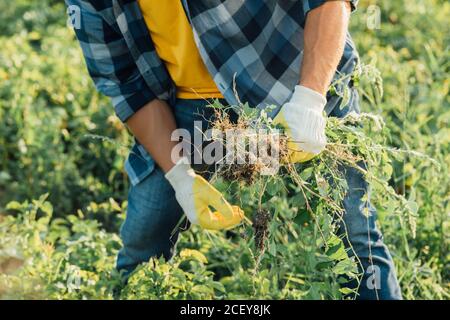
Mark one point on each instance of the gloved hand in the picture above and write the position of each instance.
(304, 123)
(196, 196)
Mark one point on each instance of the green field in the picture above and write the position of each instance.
(63, 188)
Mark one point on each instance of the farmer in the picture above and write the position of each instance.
(161, 61)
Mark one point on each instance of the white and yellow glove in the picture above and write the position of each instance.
(197, 196)
(304, 123)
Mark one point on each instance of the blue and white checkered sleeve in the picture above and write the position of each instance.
(110, 63)
(308, 5)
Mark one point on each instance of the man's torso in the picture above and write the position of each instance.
(174, 42)
(252, 50)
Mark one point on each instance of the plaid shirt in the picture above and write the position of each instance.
(254, 46)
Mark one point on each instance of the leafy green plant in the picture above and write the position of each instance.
(63, 245)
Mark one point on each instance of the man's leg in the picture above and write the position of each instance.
(379, 280)
(153, 212)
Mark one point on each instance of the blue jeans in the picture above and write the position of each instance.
(153, 213)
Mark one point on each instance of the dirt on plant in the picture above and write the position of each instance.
(261, 229)
(251, 164)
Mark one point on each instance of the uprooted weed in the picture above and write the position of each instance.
(319, 184)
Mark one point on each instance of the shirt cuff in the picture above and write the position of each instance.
(127, 105)
(309, 5)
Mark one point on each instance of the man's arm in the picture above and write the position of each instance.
(324, 41)
(152, 125)
(149, 119)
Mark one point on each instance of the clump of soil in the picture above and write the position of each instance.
(248, 171)
(261, 229)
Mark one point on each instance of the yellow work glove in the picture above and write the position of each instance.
(304, 123)
(197, 196)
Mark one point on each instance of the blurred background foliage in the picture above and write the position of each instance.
(49, 109)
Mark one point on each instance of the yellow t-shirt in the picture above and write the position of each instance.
(174, 42)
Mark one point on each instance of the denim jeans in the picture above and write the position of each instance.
(153, 213)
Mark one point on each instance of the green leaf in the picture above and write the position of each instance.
(273, 248)
(193, 254)
(14, 205)
(346, 291)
